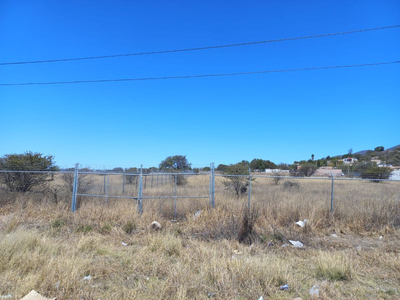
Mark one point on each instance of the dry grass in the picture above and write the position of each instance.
(43, 246)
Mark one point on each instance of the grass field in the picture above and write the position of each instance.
(225, 253)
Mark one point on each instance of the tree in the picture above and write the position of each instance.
(238, 183)
(283, 166)
(393, 157)
(85, 181)
(177, 162)
(369, 170)
(307, 169)
(29, 161)
(260, 164)
(130, 179)
(379, 149)
(222, 167)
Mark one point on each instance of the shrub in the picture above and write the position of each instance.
(291, 185)
(376, 174)
(85, 181)
(247, 225)
(29, 161)
(236, 182)
(129, 227)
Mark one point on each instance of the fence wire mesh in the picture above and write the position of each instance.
(178, 196)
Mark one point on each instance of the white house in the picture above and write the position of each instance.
(349, 160)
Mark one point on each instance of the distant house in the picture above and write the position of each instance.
(375, 160)
(349, 160)
(277, 172)
(328, 171)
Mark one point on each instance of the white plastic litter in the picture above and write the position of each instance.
(334, 235)
(302, 223)
(9, 296)
(87, 277)
(124, 244)
(284, 287)
(261, 298)
(197, 214)
(296, 244)
(381, 237)
(314, 291)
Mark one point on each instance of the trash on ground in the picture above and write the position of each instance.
(334, 235)
(124, 244)
(211, 295)
(33, 295)
(381, 237)
(296, 244)
(314, 291)
(270, 244)
(284, 287)
(87, 277)
(261, 298)
(302, 223)
(155, 225)
(237, 252)
(197, 214)
(285, 245)
(9, 296)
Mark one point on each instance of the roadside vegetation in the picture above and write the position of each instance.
(109, 251)
(228, 252)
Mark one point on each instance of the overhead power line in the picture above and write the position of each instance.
(198, 48)
(199, 76)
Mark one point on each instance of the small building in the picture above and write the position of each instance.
(349, 160)
(277, 172)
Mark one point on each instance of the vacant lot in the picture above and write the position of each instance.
(224, 253)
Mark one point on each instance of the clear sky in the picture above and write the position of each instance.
(282, 117)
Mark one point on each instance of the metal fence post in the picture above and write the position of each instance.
(104, 181)
(140, 204)
(176, 184)
(212, 185)
(107, 187)
(248, 203)
(332, 193)
(123, 183)
(74, 188)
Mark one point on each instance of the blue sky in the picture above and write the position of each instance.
(282, 117)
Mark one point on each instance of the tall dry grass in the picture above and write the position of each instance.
(44, 246)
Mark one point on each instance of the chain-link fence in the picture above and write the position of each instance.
(176, 195)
